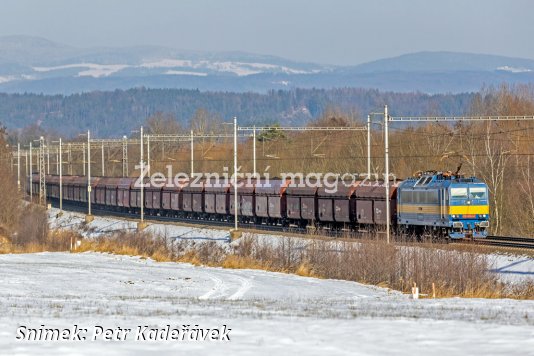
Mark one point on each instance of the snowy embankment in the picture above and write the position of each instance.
(510, 267)
(269, 313)
(105, 225)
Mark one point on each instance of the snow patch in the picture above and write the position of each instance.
(184, 72)
(7, 79)
(105, 225)
(283, 82)
(514, 69)
(96, 70)
(10, 78)
(283, 69)
(238, 68)
(168, 63)
(28, 77)
(93, 69)
(234, 68)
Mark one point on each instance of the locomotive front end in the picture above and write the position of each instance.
(443, 204)
(468, 209)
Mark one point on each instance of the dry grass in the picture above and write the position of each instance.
(453, 273)
(132, 244)
(238, 262)
(56, 240)
(306, 270)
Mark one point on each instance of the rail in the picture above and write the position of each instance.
(507, 241)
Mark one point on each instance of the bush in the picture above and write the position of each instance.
(32, 226)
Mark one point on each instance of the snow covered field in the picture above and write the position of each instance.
(269, 313)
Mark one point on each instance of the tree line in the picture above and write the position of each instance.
(116, 113)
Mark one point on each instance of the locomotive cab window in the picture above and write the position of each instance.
(459, 193)
(477, 193)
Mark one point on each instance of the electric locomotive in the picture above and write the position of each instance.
(434, 203)
(443, 203)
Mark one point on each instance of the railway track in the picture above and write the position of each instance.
(507, 241)
(497, 241)
(203, 223)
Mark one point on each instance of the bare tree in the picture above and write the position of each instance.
(496, 154)
(205, 122)
(10, 197)
(162, 123)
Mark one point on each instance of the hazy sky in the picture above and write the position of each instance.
(326, 31)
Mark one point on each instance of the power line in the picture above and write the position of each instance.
(340, 158)
(459, 118)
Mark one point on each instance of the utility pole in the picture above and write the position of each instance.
(148, 154)
(42, 173)
(124, 156)
(89, 218)
(18, 166)
(142, 179)
(57, 161)
(141, 225)
(60, 177)
(192, 155)
(254, 151)
(31, 173)
(69, 157)
(47, 160)
(59, 171)
(386, 178)
(236, 234)
(103, 164)
(26, 164)
(369, 147)
(83, 151)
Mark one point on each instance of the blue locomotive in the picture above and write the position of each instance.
(443, 203)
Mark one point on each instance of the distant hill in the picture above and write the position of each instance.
(446, 62)
(37, 65)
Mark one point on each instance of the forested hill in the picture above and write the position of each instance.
(116, 113)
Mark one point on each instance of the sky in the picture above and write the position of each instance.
(342, 32)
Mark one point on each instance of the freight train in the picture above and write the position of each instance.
(433, 203)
